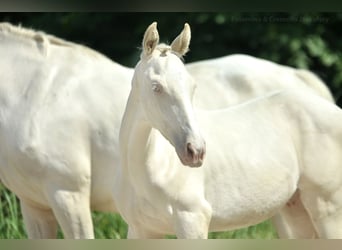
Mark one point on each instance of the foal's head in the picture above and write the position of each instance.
(165, 90)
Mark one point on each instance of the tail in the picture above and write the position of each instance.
(315, 83)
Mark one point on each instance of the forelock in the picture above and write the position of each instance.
(164, 50)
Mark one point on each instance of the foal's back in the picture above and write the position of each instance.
(239, 78)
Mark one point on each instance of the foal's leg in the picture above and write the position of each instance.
(39, 223)
(192, 223)
(293, 221)
(72, 210)
(326, 212)
(136, 233)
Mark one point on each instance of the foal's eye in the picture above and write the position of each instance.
(157, 88)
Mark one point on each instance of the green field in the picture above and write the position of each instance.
(107, 225)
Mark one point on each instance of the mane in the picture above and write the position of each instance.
(43, 39)
(164, 49)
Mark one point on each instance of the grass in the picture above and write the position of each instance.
(108, 225)
(11, 225)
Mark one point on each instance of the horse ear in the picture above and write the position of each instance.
(151, 39)
(182, 41)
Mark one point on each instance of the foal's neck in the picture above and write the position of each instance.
(134, 130)
(147, 158)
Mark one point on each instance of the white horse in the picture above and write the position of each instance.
(258, 154)
(233, 79)
(60, 119)
(61, 106)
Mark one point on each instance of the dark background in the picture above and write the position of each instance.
(303, 40)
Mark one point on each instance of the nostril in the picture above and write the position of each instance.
(190, 150)
(201, 156)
